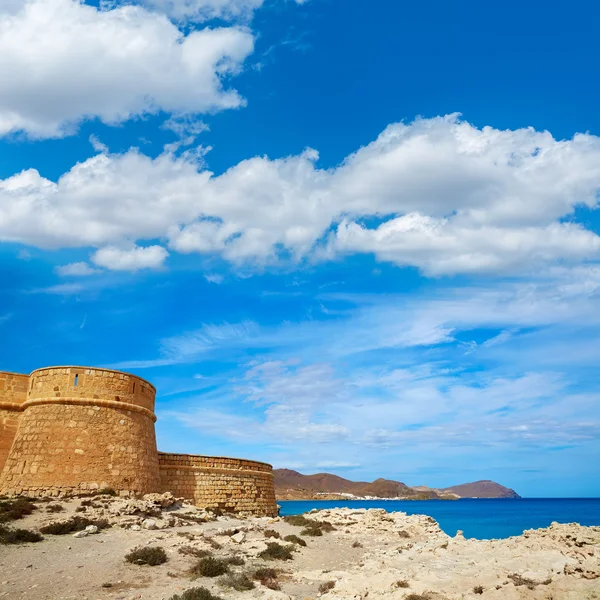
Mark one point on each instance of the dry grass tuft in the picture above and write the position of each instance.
(196, 594)
(238, 582)
(12, 510)
(152, 556)
(326, 587)
(275, 551)
(295, 539)
(271, 533)
(18, 536)
(210, 567)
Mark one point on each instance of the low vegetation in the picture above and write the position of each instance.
(478, 589)
(198, 593)
(236, 560)
(55, 508)
(18, 536)
(275, 551)
(12, 510)
(76, 523)
(519, 580)
(152, 556)
(238, 582)
(268, 578)
(195, 552)
(271, 533)
(357, 545)
(402, 583)
(297, 520)
(210, 567)
(295, 539)
(316, 528)
(326, 587)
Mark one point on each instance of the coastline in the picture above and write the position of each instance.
(344, 553)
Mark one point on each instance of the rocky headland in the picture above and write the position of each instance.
(162, 548)
(292, 485)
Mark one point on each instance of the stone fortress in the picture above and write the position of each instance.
(75, 430)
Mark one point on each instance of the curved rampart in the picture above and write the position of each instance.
(227, 484)
(13, 393)
(83, 429)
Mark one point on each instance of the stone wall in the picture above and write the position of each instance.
(74, 430)
(13, 392)
(228, 484)
(84, 429)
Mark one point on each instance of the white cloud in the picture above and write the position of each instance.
(62, 61)
(130, 259)
(203, 10)
(77, 269)
(437, 194)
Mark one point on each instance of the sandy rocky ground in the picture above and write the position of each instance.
(370, 554)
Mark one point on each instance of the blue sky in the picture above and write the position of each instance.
(354, 237)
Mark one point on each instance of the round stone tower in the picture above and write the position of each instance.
(84, 429)
(13, 393)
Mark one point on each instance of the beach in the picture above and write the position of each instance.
(343, 553)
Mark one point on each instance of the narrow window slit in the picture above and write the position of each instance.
(76, 382)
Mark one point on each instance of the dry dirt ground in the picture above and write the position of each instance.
(368, 554)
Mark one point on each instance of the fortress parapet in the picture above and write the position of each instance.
(84, 429)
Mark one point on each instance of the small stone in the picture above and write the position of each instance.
(238, 538)
(149, 524)
(91, 529)
(81, 534)
(136, 528)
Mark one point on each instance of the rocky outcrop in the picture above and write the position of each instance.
(292, 485)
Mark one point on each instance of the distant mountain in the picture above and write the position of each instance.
(481, 489)
(292, 485)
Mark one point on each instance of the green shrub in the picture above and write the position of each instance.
(73, 524)
(196, 594)
(402, 583)
(12, 510)
(325, 587)
(295, 539)
(152, 556)
(55, 508)
(210, 567)
(239, 582)
(18, 536)
(236, 560)
(478, 589)
(275, 551)
(297, 520)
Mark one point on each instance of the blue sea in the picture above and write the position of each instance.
(478, 518)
